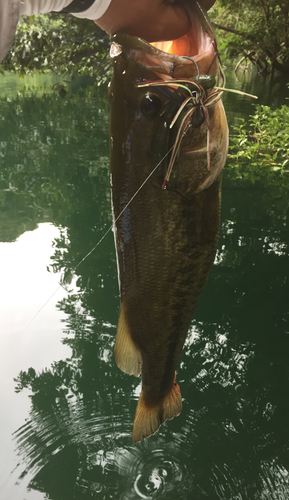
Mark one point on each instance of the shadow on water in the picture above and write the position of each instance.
(231, 439)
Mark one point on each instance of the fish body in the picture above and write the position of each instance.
(165, 239)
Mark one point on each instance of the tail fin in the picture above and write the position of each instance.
(148, 418)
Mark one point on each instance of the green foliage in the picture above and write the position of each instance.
(267, 144)
(257, 30)
(59, 43)
(261, 154)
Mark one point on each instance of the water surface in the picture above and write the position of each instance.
(66, 431)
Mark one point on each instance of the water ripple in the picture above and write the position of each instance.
(195, 456)
(99, 456)
(153, 469)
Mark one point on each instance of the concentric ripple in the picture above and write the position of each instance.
(154, 469)
(76, 445)
(94, 455)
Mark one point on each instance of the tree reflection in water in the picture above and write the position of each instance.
(231, 439)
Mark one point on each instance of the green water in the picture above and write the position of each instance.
(66, 432)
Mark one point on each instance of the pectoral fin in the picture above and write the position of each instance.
(148, 418)
(127, 354)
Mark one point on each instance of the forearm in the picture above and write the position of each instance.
(150, 19)
(29, 7)
(89, 10)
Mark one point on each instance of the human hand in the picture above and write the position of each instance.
(152, 20)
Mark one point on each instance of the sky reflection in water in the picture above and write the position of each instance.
(73, 435)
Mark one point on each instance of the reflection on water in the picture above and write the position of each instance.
(11, 83)
(75, 450)
(231, 439)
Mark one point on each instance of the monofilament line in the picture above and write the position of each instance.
(99, 241)
(120, 214)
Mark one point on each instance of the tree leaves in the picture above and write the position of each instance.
(260, 32)
(260, 153)
(60, 43)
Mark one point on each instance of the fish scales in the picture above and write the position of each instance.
(166, 239)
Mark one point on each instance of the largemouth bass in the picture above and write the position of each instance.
(166, 239)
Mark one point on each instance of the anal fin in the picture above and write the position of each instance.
(127, 354)
(148, 418)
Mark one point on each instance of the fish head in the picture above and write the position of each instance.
(149, 114)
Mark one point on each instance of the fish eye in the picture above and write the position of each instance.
(150, 105)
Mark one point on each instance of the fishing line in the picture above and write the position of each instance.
(70, 276)
(120, 214)
(193, 60)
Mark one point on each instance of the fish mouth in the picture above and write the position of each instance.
(183, 73)
(191, 55)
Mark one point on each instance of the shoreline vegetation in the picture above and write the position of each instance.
(259, 153)
(61, 44)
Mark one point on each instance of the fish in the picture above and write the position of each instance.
(166, 211)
